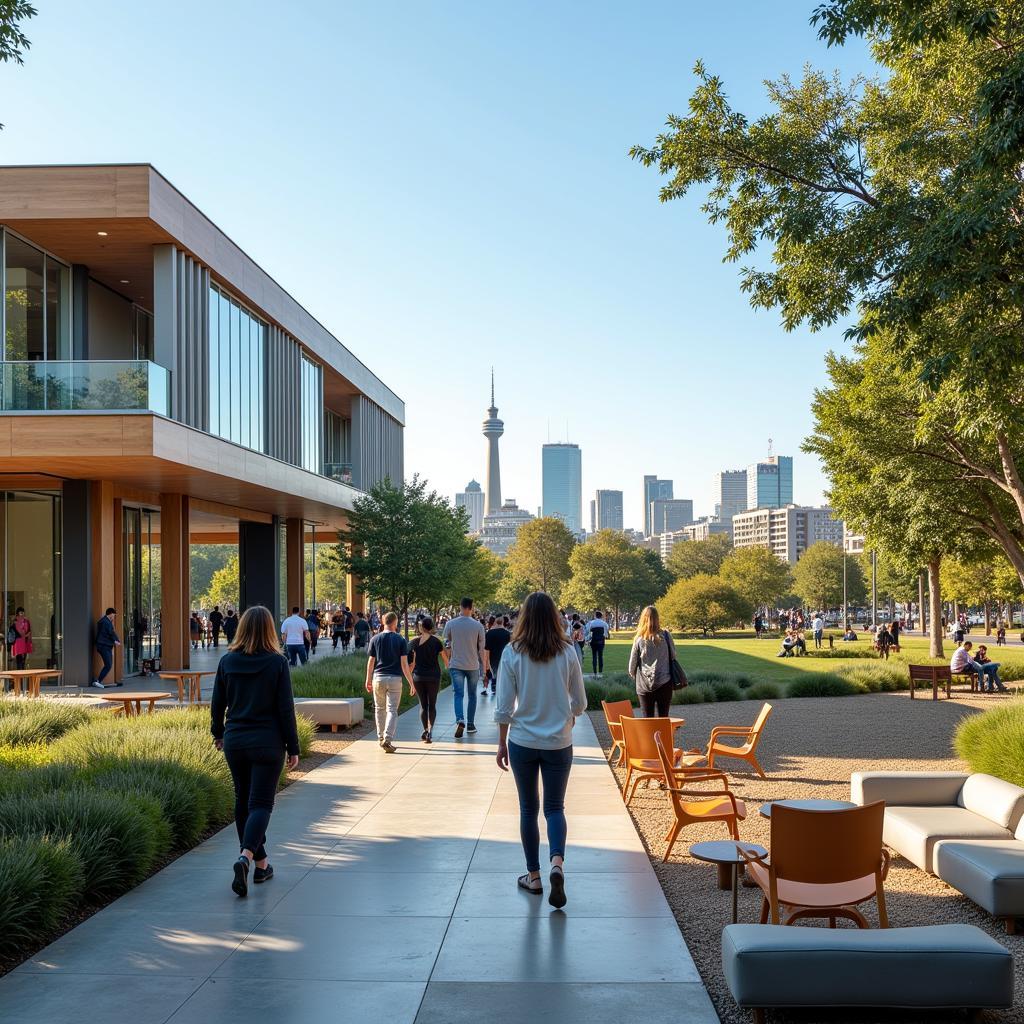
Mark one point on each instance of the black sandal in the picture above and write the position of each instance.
(527, 883)
(557, 879)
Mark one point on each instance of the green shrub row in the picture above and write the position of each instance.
(993, 742)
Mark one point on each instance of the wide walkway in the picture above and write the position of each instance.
(394, 901)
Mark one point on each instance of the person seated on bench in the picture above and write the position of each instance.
(963, 661)
(983, 659)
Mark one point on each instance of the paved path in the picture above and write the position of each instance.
(394, 900)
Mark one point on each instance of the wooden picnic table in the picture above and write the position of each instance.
(192, 677)
(132, 702)
(31, 678)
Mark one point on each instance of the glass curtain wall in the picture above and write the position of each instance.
(31, 571)
(238, 342)
(36, 311)
(312, 415)
(142, 602)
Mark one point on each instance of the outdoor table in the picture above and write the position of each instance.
(808, 805)
(194, 679)
(726, 854)
(31, 677)
(133, 701)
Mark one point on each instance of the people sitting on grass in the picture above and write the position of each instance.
(793, 643)
(850, 634)
(964, 661)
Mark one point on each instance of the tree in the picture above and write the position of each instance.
(609, 573)
(540, 554)
(478, 577)
(224, 586)
(703, 602)
(13, 42)
(698, 556)
(757, 575)
(204, 562)
(513, 589)
(818, 577)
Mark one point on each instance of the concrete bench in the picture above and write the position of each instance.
(938, 967)
(332, 711)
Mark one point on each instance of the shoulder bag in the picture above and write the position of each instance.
(675, 670)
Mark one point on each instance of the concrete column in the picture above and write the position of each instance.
(174, 581)
(76, 579)
(355, 596)
(258, 567)
(105, 535)
(295, 557)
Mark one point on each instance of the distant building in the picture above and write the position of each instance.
(770, 483)
(667, 541)
(562, 484)
(607, 511)
(730, 493)
(788, 531)
(472, 500)
(853, 543)
(668, 514)
(493, 429)
(700, 530)
(500, 527)
(654, 490)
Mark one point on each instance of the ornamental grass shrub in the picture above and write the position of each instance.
(765, 690)
(822, 684)
(37, 721)
(695, 693)
(993, 741)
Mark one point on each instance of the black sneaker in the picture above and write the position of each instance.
(423, 735)
(471, 728)
(427, 738)
(240, 886)
(263, 874)
(459, 730)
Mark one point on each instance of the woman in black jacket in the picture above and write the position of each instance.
(253, 691)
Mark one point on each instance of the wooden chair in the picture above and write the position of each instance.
(613, 711)
(705, 804)
(640, 753)
(936, 676)
(823, 864)
(749, 739)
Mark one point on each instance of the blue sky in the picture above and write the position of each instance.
(446, 186)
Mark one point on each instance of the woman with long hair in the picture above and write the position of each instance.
(253, 722)
(649, 664)
(424, 652)
(540, 694)
(21, 629)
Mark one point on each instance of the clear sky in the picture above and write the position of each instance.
(446, 186)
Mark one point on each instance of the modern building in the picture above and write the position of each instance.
(706, 527)
(853, 543)
(654, 490)
(593, 515)
(501, 527)
(493, 429)
(158, 390)
(730, 493)
(668, 514)
(607, 507)
(562, 484)
(770, 483)
(788, 531)
(472, 500)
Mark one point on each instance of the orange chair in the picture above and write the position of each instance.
(708, 805)
(613, 711)
(640, 754)
(823, 864)
(750, 737)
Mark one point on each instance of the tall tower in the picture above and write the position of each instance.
(493, 429)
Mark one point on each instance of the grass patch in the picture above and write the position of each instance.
(993, 742)
(26, 722)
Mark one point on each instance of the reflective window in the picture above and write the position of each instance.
(312, 415)
(37, 303)
(237, 351)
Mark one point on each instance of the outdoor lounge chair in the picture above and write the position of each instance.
(749, 739)
(640, 754)
(613, 711)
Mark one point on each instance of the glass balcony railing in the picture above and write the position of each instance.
(114, 385)
(340, 471)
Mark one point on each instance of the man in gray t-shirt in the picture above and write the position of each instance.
(464, 638)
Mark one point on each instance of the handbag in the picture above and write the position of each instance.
(12, 636)
(675, 670)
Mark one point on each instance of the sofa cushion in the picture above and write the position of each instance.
(907, 789)
(914, 831)
(988, 871)
(941, 966)
(996, 799)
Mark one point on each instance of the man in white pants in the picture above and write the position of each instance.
(388, 663)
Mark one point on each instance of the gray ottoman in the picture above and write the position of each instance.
(990, 872)
(947, 966)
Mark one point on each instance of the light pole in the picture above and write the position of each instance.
(846, 620)
(874, 588)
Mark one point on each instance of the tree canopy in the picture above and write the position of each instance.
(691, 557)
(818, 577)
(13, 41)
(540, 555)
(703, 602)
(757, 576)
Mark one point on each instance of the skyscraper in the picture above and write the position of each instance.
(730, 493)
(493, 429)
(562, 484)
(770, 483)
(607, 507)
(654, 490)
(472, 500)
(593, 515)
(668, 514)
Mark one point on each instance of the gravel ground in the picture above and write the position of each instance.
(810, 748)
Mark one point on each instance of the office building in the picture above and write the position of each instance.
(472, 500)
(654, 490)
(161, 390)
(593, 515)
(788, 531)
(493, 429)
(668, 514)
(730, 493)
(607, 506)
(500, 527)
(706, 527)
(853, 543)
(562, 484)
(770, 483)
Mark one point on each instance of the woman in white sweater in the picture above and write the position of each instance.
(540, 693)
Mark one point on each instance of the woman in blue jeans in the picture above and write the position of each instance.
(540, 693)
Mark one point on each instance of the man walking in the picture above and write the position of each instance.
(597, 634)
(963, 661)
(295, 633)
(385, 668)
(818, 625)
(216, 621)
(465, 639)
(106, 640)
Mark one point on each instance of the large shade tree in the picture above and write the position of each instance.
(691, 557)
(540, 555)
(818, 577)
(758, 576)
(703, 602)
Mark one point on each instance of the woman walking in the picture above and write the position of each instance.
(649, 664)
(253, 722)
(21, 630)
(540, 693)
(424, 652)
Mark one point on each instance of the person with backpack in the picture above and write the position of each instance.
(597, 633)
(579, 636)
(650, 664)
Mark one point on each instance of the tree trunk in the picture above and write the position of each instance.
(988, 618)
(920, 600)
(935, 607)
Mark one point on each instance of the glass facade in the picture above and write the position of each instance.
(36, 311)
(238, 342)
(141, 587)
(312, 415)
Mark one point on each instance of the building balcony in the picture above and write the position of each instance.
(340, 471)
(109, 385)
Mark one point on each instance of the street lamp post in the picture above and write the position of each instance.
(874, 588)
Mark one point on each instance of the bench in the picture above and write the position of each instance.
(938, 677)
(937, 967)
(332, 711)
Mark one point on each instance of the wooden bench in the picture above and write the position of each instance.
(937, 676)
